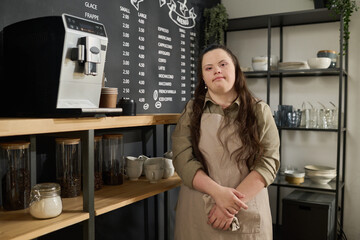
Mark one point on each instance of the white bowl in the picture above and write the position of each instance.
(259, 63)
(320, 169)
(320, 174)
(321, 179)
(319, 63)
(293, 65)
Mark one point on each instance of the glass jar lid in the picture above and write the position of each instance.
(113, 136)
(15, 145)
(47, 189)
(328, 51)
(67, 141)
(97, 138)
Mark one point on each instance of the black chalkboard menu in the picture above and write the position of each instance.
(153, 44)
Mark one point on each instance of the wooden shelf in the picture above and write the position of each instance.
(110, 198)
(21, 225)
(27, 126)
(107, 199)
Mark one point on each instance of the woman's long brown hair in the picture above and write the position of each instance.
(246, 120)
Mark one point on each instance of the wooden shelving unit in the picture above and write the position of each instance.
(21, 225)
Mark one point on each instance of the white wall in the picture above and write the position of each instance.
(245, 8)
(301, 43)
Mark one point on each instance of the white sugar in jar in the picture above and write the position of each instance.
(45, 200)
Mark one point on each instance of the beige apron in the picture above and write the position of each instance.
(191, 217)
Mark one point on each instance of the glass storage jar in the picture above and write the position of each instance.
(114, 163)
(98, 161)
(68, 166)
(16, 175)
(45, 200)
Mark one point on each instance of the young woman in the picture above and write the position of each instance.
(226, 151)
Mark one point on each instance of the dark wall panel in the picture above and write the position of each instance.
(153, 44)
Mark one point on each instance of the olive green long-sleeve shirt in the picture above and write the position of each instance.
(185, 162)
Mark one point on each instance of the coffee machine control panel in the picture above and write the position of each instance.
(84, 26)
(88, 48)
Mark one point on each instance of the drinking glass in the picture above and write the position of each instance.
(294, 118)
(311, 116)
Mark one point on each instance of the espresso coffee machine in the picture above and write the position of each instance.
(53, 68)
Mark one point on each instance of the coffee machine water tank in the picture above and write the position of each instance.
(56, 66)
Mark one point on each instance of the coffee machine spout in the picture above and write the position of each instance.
(88, 54)
(90, 68)
(92, 48)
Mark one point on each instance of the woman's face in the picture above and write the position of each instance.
(218, 71)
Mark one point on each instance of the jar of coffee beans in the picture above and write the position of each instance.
(114, 163)
(68, 166)
(15, 175)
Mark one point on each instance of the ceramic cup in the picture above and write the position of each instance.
(168, 172)
(153, 174)
(168, 163)
(134, 167)
(143, 158)
(133, 173)
(108, 97)
(134, 162)
(168, 168)
(153, 166)
(168, 154)
(155, 161)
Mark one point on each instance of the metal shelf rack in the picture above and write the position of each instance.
(301, 18)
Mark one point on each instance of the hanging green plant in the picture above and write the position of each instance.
(216, 22)
(344, 8)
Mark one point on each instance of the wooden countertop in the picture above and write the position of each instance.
(27, 126)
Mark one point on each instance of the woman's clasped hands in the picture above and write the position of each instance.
(228, 202)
